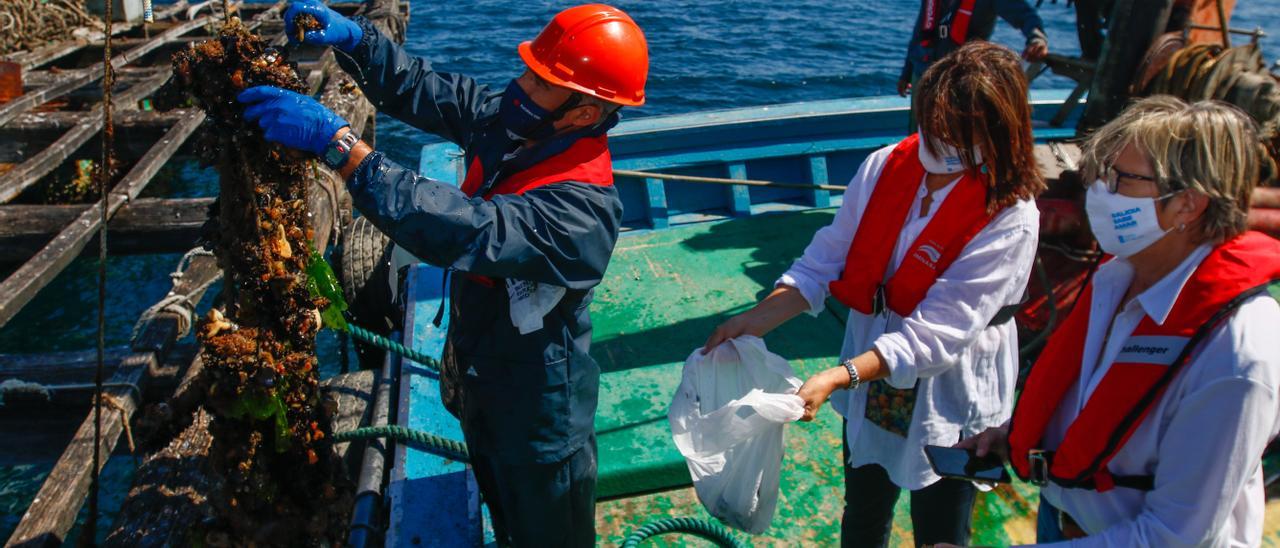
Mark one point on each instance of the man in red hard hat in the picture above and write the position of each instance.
(526, 237)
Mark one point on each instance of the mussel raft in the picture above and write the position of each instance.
(282, 481)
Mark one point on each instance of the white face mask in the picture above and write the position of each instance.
(948, 162)
(1123, 225)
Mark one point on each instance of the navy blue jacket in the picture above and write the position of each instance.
(524, 398)
(1019, 13)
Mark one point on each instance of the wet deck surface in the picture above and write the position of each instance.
(664, 293)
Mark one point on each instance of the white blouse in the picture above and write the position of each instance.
(1202, 440)
(966, 370)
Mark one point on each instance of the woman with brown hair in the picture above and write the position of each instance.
(931, 251)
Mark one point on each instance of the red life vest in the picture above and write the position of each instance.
(1147, 363)
(957, 30)
(587, 160)
(958, 219)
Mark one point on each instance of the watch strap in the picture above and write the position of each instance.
(854, 380)
(338, 150)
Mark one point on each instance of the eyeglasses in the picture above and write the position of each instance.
(1112, 177)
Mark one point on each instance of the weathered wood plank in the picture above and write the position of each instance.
(30, 171)
(53, 511)
(52, 52)
(125, 119)
(76, 79)
(68, 376)
(21, 286)
(148, 225)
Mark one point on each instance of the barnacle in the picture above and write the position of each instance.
(259, 354)
(303, 23)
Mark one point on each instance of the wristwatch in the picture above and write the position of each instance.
(854, 381)
(338, 150)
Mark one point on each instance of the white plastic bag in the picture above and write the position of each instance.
(726, 419)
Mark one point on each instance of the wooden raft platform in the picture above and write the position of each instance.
(44, 132)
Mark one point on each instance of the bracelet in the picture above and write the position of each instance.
(854, 380)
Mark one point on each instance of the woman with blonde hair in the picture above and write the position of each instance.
(1146, 415)
(931, 251)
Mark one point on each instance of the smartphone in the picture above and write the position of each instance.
(950, 462)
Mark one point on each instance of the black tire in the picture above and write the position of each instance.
(364, 265)
(365, 252)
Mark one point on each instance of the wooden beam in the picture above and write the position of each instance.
(51, 52)
(144, 226)
(73, 80)
(29, 172)
(69, 375)
(76, 79)
(125, 119)
(54, 509)
(21, 286)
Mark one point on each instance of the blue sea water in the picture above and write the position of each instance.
(705, 55)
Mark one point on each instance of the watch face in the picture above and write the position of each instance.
(334, 157)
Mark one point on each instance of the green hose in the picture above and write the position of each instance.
(457, 450)
(696, 527)
(392, 346)
(431, 443)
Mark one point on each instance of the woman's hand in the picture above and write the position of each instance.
(992, 440)
(818, 389)
(746, 323)
(784, 303)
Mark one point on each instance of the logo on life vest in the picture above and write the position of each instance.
(1151, 349)
(928, 254)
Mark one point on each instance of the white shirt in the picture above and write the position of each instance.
(1202, 440)
(966, 370)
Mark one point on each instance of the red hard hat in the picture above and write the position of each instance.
(595, 49)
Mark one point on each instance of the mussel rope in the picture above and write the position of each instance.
(89, 534)
(456, 450)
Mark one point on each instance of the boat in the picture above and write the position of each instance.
(695, 249)
(716, 205)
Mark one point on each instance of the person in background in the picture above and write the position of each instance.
(1146, 416)
(942, 26)
(931, 250)
(527, 237)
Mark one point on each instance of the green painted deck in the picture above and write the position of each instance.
(664, 293)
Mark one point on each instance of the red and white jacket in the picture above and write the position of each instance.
(964, 369)
(1199, 440)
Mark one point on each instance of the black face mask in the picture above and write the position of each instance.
(524, 120)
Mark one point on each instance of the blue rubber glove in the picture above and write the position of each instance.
(338, 31)
(291, 119)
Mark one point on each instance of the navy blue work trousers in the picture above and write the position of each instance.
(541, 504)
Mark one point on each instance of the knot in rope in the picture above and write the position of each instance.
(181, 306)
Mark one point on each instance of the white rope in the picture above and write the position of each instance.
(178, 304)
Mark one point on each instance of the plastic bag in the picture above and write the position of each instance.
(726, 419)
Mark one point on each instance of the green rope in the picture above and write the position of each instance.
(457, 450)
(425, 441)
(697, 527)
(392, 346)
